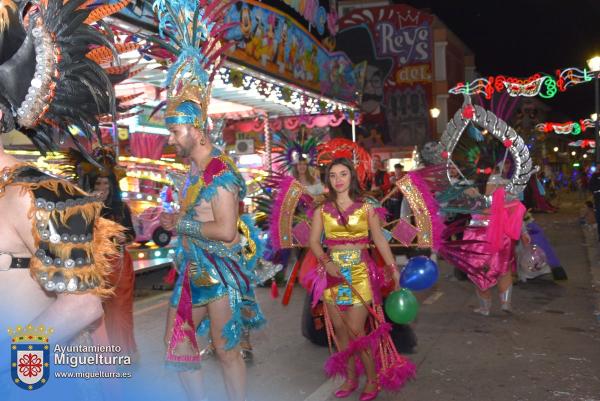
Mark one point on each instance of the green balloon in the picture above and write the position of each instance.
(401, 306)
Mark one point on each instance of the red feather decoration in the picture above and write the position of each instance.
(342, 147)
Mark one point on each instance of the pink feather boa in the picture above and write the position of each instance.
(394, 377)
(336, 364)
(391, 378)
(381, 212)
(319, 284)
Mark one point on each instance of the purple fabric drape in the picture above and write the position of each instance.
(147, 145)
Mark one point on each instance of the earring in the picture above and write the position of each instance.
(203, 140)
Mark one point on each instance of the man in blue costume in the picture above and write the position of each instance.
(217, 249)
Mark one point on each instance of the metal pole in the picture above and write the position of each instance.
(354, 155)
(597, 123)
(267, 131)
(115, 136)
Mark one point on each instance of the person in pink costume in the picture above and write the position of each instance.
(497, 233)
(351, 286)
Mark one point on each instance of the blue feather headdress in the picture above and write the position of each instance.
(192, 30)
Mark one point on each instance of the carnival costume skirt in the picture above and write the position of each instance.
(204, 287)
(196, 287)
(485, 268)
(362, 287)
(356, 273)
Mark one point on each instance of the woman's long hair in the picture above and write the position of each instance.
(309, 177)
(354, 190)
(113, 206)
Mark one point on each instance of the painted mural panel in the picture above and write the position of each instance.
(397, 44)
(270, 41)
(267, 39)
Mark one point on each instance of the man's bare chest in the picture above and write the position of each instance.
(204, 212)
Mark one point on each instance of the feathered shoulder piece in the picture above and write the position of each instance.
(74, 245)
(106, 163)
(54, 86)
(220, 172)
(193, 32)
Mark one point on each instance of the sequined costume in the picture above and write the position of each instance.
(73, 243)
(353, 265)
(363, 285)
(53, 84)
(492, 251)
(208, 270)
(56, 86)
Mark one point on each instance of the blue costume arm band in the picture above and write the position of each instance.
(189, 227)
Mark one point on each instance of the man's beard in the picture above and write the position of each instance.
(185, 146)
(183, 152)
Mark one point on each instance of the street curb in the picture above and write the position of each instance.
(592, 246)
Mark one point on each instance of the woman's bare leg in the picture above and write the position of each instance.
(356, 317)
(341, 334)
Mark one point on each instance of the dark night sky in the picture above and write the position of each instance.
(520, 38)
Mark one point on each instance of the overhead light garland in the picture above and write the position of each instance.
(272, 90)
(583, 143)
(543, 85)
(570, 127)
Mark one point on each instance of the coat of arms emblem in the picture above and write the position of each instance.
(30, 356)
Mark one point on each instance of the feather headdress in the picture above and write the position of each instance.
(192, 31)
(51, 82)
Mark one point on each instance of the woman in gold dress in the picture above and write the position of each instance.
(351, 283)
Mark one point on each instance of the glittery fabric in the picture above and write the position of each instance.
(347, 241)
(490, 242)
(204, 288)
(351, 224)
(420, 209)
(183, 350)
(356, 273)
(283, 214)
(484, 269)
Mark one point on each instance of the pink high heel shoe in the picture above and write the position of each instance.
(345, 393)
(368, 396)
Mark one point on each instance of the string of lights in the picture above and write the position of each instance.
(271, 90)
(543, 85)
(566, 128)
(584, 143)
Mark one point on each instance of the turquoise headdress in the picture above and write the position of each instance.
(192, 30)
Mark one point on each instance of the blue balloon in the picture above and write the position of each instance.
(419, 274)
